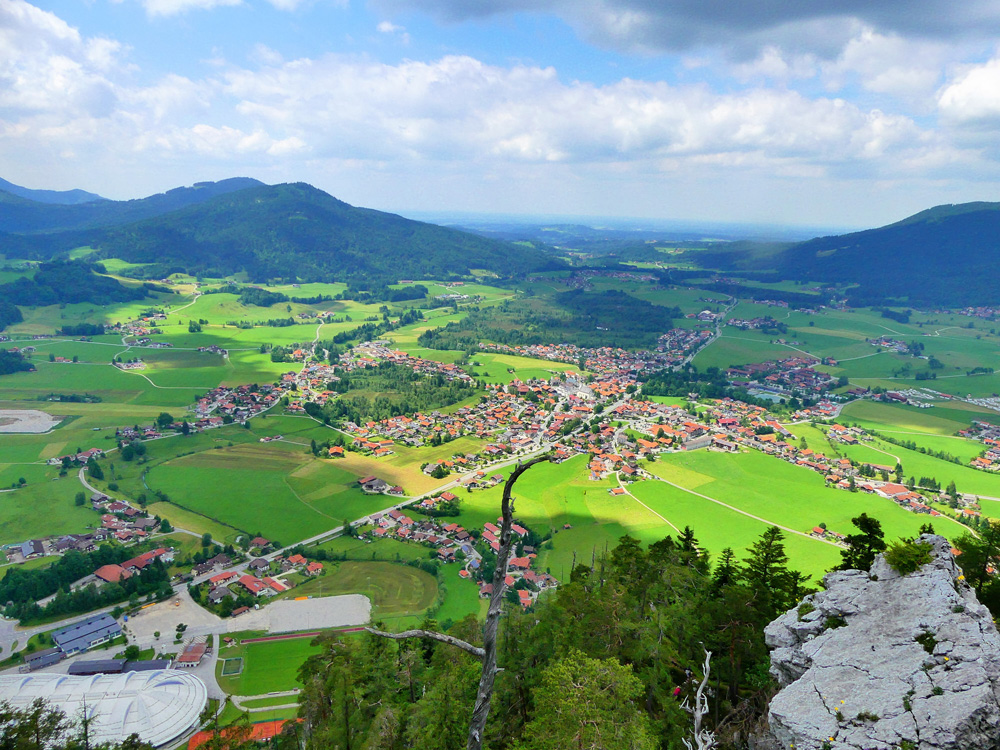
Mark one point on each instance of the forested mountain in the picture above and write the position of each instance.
(941, 256)
(24, 212)
(67, 197)
(291, 231)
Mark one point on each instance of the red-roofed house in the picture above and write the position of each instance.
(255, 586)
(112, 573)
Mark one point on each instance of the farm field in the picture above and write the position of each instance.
(42, 509)
(888, 417)
(256, 488)
(739, 347)
(778, 492)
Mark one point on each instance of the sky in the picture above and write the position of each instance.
(844, 113)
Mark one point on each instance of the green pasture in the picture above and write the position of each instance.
(44, 509)
(735, 347)
(939, 420)
(257, 488)
(52, 317)
(382, 550)
(781, 493)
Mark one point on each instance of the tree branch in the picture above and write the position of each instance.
(703, 739)
(457, 642)
(488, 653)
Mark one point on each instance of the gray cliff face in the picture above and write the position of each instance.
(881, 661)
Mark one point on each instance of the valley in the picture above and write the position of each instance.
(367, 428)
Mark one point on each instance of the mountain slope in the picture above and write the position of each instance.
(942, 256)
(23, 215)
(66, 197)
(294, 230)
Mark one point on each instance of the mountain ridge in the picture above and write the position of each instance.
(292, 230)
(58, 197)
(27, 216)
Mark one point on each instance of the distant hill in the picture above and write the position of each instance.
(25, 214)
(292, 230)
(69, 282)
(945, 255)
(67, 197)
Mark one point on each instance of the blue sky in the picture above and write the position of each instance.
(842, 113)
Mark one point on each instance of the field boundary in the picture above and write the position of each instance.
(286, 637)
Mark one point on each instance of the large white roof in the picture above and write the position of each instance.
(159, 705)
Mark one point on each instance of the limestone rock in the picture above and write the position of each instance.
(880, 661)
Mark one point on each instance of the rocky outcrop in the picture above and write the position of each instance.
(883, 661)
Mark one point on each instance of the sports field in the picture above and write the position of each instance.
(394, 589)
(267, 666)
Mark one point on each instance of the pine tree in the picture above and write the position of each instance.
(862, 547)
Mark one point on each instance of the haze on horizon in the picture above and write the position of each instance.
(761, 112)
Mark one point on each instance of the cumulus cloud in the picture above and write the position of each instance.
(973, 98)
(46, 67)
(458, 108)
(69, 97)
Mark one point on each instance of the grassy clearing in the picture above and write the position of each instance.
(258, 499)
(460, 597)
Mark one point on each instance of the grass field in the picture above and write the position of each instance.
(395, 590)
(281, 700)
(460, 597)
(263, 489)
(267, 667)
(780, 493)
(43, 509)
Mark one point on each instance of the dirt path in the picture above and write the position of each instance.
(662, 518)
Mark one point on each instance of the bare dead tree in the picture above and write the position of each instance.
(488, 653)
(703, 739)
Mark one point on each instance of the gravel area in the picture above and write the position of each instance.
(289, 615)
(27, 420)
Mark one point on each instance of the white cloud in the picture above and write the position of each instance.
(386, 27)
(458, 108)
(264, 55)
(910, 69)
(973, 99)
(47, 68)
(175, 7)
(74, 103)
